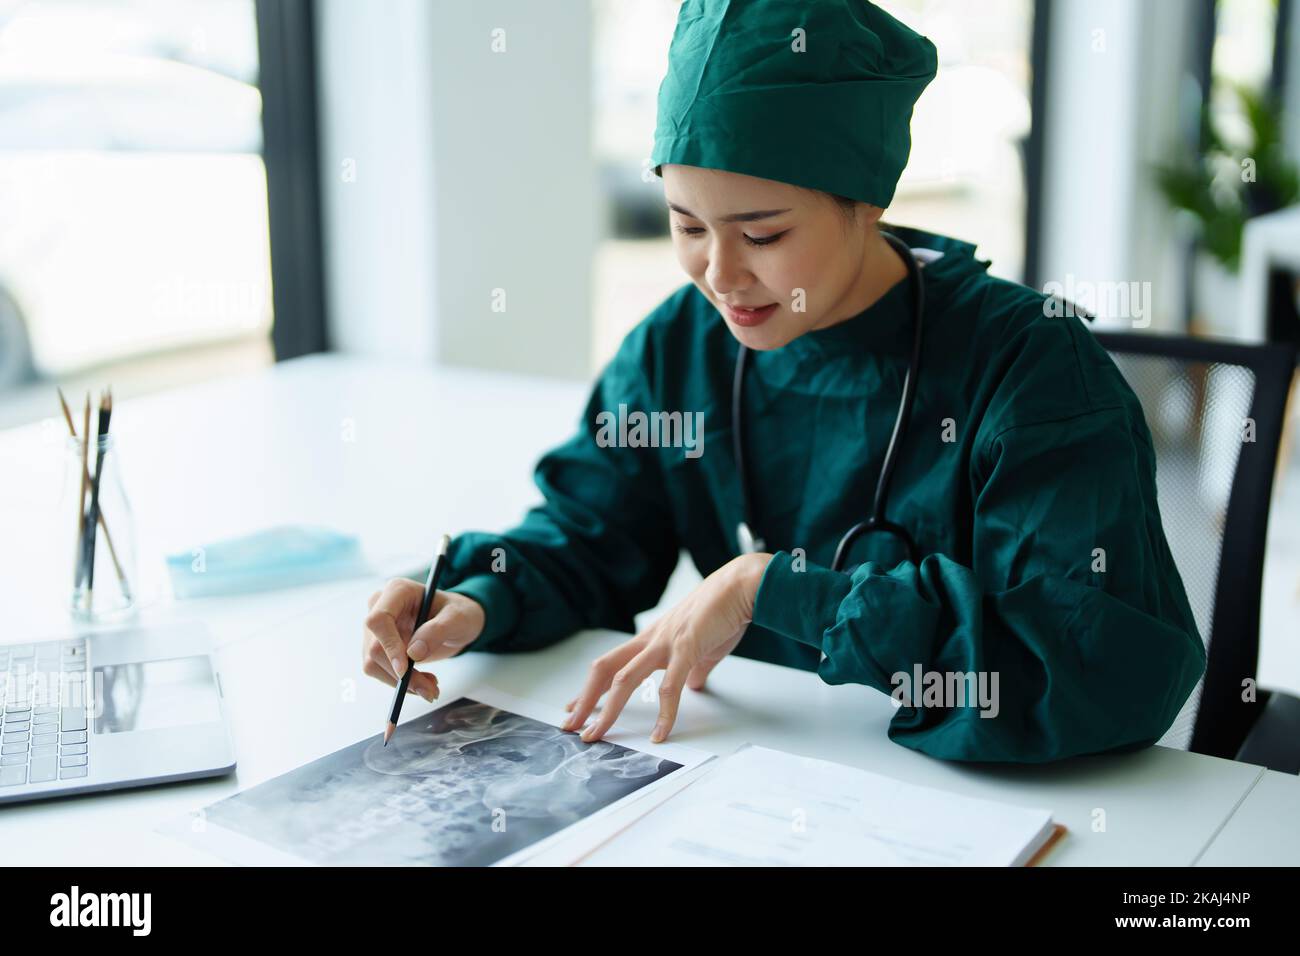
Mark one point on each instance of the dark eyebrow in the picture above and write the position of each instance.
(734, 217)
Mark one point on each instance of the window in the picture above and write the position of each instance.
(965, 176)
(133, 207)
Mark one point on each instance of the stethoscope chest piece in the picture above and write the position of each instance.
(747, 542)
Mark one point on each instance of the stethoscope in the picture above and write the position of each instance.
(877, 522)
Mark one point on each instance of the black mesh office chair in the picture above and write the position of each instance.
(1214, 490)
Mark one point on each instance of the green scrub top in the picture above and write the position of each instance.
(1027, 478)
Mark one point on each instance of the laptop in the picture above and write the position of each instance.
(105, 710)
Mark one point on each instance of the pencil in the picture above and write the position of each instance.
(430, 589)
(102, 424)
(85, 483)
(81, 504)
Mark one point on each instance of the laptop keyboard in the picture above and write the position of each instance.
(43, 698)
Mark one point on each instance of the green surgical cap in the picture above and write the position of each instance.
(814, 93)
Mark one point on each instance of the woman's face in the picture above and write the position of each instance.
(762, 245)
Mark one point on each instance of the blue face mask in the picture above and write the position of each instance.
(281, 557)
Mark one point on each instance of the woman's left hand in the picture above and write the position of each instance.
(687, 642)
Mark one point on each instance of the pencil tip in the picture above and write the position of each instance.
(388, 732)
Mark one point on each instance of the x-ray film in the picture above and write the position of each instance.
(474, 782)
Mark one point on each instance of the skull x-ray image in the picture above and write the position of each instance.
(465, 785)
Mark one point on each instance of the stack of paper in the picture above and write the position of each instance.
(761, 807)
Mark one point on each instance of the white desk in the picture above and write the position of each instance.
(282, 459)
(1265, 830)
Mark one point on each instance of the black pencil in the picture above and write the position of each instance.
(430, 589)
(105, 415)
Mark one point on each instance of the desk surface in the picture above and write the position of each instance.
(1265, 829)
(1159, 806)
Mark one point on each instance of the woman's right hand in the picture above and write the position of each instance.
(455, 621)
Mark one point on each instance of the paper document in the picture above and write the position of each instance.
(761, 807)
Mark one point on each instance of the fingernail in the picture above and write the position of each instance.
(398, 666)
(657, 735)
(417, 650)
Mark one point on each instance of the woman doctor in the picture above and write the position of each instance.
(1015, 535)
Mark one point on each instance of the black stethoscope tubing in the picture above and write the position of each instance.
(876, 522)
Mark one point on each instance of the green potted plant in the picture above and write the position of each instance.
(1226, 183)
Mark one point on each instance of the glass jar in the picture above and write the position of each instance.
(101, 556)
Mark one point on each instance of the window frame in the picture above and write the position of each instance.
(286, 42)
